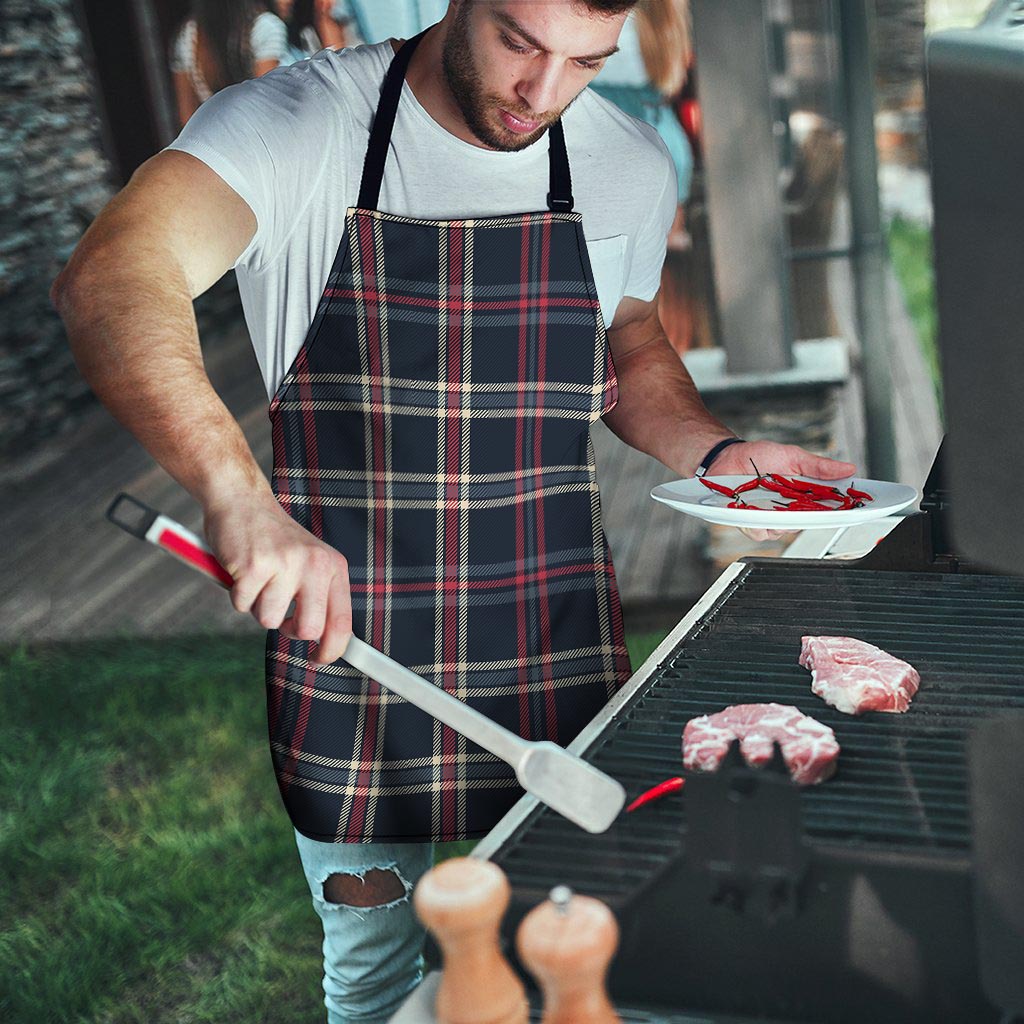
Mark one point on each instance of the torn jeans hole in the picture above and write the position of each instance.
(372, 888)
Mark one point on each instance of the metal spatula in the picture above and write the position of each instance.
(566, 783)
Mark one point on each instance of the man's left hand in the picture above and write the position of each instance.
(771, 457)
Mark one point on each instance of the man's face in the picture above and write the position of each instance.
(513, 66)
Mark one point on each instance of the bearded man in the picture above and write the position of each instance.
(449, 252)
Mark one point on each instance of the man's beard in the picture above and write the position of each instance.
(464, 83)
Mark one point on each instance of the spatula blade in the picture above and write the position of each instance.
(567, 784)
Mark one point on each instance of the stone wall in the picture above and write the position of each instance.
(54, 178)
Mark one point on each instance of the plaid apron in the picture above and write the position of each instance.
(435, 429)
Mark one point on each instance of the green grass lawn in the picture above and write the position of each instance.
(910, 247)
(148, 871)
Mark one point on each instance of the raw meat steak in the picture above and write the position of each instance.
(855, 677)
(809, 748)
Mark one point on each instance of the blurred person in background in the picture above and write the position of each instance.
(313, 25)
(646, 76)
(375, 20)
(223, 42)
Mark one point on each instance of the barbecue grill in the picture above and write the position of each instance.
(894, 892)
(745, 897)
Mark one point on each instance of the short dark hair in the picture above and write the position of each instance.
(609, 6)
(600, 7)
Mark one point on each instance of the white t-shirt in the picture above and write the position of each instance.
(292, 144)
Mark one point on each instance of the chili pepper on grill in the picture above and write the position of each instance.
(720, 488)
(656, 793)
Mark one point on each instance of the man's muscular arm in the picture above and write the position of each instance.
(661, 413)
(126, 301)
(659, 410)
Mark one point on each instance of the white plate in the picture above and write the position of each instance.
(693, 498)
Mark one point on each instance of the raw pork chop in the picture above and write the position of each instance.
(855, 677)
(809, 748)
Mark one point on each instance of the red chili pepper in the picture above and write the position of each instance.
(863, 495)
(787, 492)
(809, 487)
(771, 485)
(717, 487)
(793, 485)
(739, 503)
(656, 793)
(750, 485)
(806, 505)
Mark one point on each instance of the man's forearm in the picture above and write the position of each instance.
(134, 337)
(660, 411)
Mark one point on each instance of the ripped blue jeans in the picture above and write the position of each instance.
(373, 955)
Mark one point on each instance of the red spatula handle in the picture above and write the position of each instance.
(147, 524)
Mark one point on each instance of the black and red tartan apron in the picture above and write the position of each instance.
(435, 429)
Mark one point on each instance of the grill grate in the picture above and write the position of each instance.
(902, 779)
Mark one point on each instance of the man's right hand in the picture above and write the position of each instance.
(126, 301)
(274, 561)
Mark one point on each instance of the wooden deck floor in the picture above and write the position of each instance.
(73, 575)
(76, 575)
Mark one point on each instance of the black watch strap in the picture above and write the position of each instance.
(705, 463)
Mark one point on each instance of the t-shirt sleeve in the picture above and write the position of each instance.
(269, 140)
(269, 38)
(649, 249)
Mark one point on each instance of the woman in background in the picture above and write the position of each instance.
(221, 43)
(312, 25)
(644, 79)
(649, 72)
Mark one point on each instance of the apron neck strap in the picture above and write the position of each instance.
(559, 197)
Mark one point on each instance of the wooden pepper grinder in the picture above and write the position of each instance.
(567, 943)
(462, 901)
